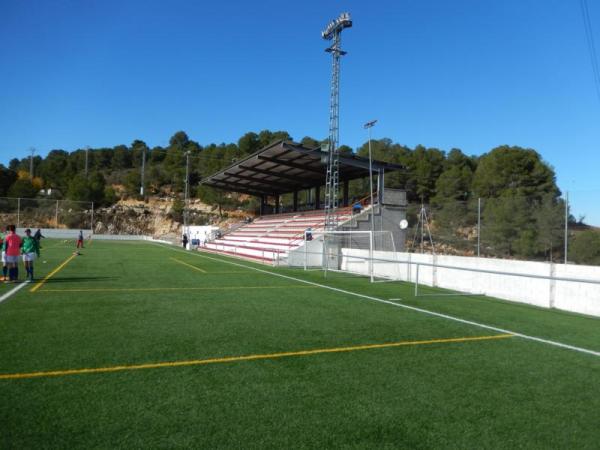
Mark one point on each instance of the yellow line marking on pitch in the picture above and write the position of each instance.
(213, 288)
(189, 265)
(198, 362)
(51, 274)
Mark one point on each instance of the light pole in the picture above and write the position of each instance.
(368, 127)
(87, 150)
(31, 151)
(143, 171)
(186, 193)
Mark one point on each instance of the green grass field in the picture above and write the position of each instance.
(202, 351)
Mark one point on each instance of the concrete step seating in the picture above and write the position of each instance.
(273, 236)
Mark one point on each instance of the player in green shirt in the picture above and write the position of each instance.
(30, 249)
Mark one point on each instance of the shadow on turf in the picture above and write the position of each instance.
(77, 279)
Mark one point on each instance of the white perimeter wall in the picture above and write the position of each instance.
(572, 296)
(60, 233)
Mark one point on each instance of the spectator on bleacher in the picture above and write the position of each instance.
(356, 207)
(308, 234)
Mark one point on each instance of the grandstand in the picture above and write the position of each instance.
(273, 236)
(288, 168)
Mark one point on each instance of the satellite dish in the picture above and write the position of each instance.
(403, 224)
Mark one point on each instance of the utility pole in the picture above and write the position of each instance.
(187, 190)
(31, 151)
(567, 227)
(87, 149)
(368, 126)
(143, 170)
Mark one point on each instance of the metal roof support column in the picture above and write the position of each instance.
(277, 209)
(346, 189)
(318, 197)
(380, 185)
(262, 205)
(295, 201)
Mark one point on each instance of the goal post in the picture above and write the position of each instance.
(347, 250)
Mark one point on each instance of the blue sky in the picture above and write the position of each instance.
(472, 74)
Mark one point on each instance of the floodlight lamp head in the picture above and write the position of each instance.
(370, 124)
(337, 25)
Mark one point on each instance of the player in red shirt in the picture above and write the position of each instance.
(12, 248)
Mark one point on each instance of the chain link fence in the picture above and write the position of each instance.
(46, 213)
(529, 228)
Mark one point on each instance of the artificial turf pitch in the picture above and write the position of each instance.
(203, 351)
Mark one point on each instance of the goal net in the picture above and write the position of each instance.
(348, 251)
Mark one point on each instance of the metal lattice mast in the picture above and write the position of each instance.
(333, 32)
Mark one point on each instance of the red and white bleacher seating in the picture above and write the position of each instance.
(272, 237)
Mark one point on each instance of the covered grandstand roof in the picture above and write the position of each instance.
(284, 167)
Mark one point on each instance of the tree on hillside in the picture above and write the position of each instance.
(249, 143)
(425, 167)
(179, 140)
(515, 169)
(216, 197)
(454, 183)
(266, 137)
(157, 155)
(310, 142)
(452, 208)
(549, 216)
(174, 163)
(345, 150)
(23, 188)
(121, 158)
(55, 171)
(90, 189)
(507, 226)
(14, 164)
(521, 206)
(585, 248)
(7, 178)
(138, 148)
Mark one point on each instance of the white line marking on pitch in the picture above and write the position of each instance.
(412, 308)
(13, 291)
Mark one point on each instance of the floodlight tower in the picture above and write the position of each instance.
(333, 32)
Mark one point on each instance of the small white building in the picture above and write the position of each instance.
(199, 234)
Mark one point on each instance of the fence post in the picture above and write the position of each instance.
(305, 250)
(552, 295)
(566, 226)
(18, 212)
(92, 221)
(371, 268)
(417, 281)
(56, 216)
(478, 225)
